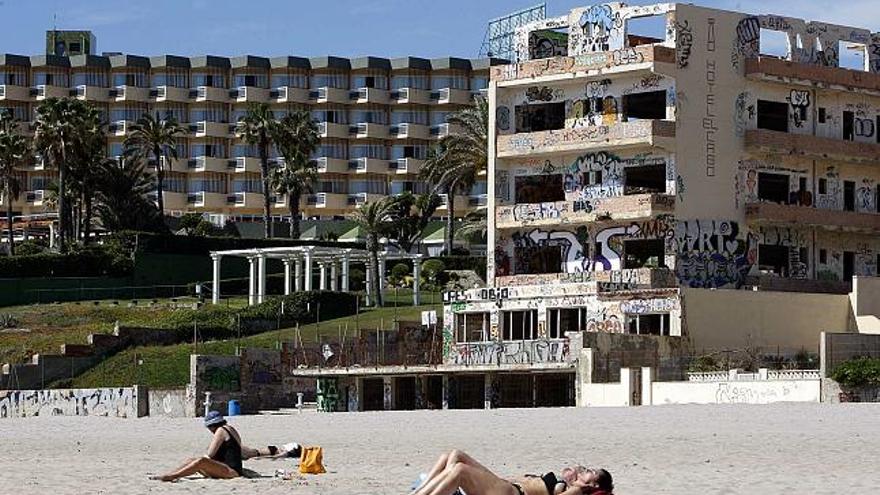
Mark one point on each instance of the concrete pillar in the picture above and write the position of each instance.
(417, 273)
(252, 281)
(261, 280)
(323, 276)
(287, 280)
(297, 275)
(381, 273)
(488, 392)
(626, 382)
(445, 391)
(388, 393)
(369, 274)
(308, 260)
(334, 275)
(647, 389)
(215, 287)
(346, 282)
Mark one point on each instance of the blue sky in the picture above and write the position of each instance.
(321, 27)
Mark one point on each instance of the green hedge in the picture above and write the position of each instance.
(858, 372)
(475, 263)
(178, 244)
(92, 262)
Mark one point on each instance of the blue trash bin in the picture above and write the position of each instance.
(234, 408)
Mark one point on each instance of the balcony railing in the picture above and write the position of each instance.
(195, 198)
(318, 200)
(357, 200)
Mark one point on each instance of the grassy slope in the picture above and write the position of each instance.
(168, 366)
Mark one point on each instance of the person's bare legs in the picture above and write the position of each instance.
(473, 479)
(445, 463)
(208, 468)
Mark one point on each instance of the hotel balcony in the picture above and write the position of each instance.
(411, 95)
(478, 201)
(462, 203)
(91, 93)
(327, 165)
(245, 200)
(774, 214)
(44, 91)
(207, 200)
(783, 143)
(129, 93)
(207, 164)
(634, 134)
(14, 93)
(212, 129)
(360, 199)
(249, 94)
(119, 128)
(605, 281)
(330, 95)
(370, 95)
(35, 198)
(365, 130)
(178, 165)
(333, 130)
(410, 131)
(410, 166)
(243, 164)
(286, 94)
(368, 166)
(772, 69)
(452, 96)
(330, 201)
(209, 93)
(170, 93)
(174, 200)
(616, 208)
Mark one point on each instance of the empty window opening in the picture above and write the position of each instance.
(849, 195)
(823, 186)
(374, 394)
(775, 44)
(539, 188)
(647, 179)
(561, 320)
(773, 259)
(540, 117)
(520, 325)
(653, 324)
(823, 256)
(849, 265)
(646, 30)
(823, 116)
(515, 390)
(650, 105)
(554, 389)
(537, 259)
(877, 205)
(467, 391)
(851, 55)
(471, 327)
(546, 43)
(434, 392)
(644, 253)
(849, 128)
(772, 116)
(773, 187)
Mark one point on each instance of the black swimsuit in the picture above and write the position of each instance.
(229, 453)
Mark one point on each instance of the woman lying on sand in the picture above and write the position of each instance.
(458, 470)
(292, 450)
(223, 460)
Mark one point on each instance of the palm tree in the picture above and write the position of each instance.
(460, 157)
(412, 215)
(155, 138)
(84, 169)
(259, 128)
(123, 197)
(14, 150)
(375, 220)
(474, 227)
(296, 139)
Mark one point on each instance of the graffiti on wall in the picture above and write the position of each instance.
(546, 43)
(225, 378)
(328, 394)
(542, 351)
(502, 118)
(115, 402)
(601, 174)
(684, 42)
(799, 103)
(711, 253)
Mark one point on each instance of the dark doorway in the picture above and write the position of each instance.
(773, 259)
(540, 117)
(554, 390)
(773, 187)
(467, 391)
(849, 265)
(772, 116)
(434, 392)
(539, 188)
(647, 179)
(644, 253)
(405, 393)
(650, 105)
(849, 195)
(849, 126)
(515, 390)
(374, 394)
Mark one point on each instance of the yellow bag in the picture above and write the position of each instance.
(311, 460)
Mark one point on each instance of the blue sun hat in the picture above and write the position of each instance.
(214, 418)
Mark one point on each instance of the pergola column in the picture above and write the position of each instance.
(369, 274)
(417, 272)
(345, 272)
(261, 284)
(323, 276)
(252, 280)
(308, 260)
(287, 280)
(381, 273)
(215, 281)
(297, 274)
(334, 275)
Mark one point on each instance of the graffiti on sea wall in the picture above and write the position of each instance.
(713, 253)
(328, 395)
(114, 402)
(541, 351)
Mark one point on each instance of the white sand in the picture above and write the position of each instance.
(794, 448)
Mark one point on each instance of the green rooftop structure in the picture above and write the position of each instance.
(68, 43)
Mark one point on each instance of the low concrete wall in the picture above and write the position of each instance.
(618, 394)
(126, 402)
(756, 392)
(833, 393)
(175, 403)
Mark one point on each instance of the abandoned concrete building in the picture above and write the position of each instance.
(707, 189)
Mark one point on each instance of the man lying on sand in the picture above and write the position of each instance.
(292, 450)
(458, 470)
(223, 460)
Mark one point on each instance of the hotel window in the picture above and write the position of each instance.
(378, 81)
(331, 150)
(333, 116)
(418, 151)
(175, 182)
(209, 113)
(212, 148)
(330, 80)
(332, 186)
(409, 117)
(372, 116)
(368, 151)
(520, 325)
(251, 184)
(18, 111)
(136, 79)
(173, 78)
(294, 80)
(245, 150)
(212, 80)
(449, 81)
(479, 82)
(410, 81)
(51, 78)
(214, 183)
(415, 187)
(13, 77)
(368, 186)
(438, 118)
(116, 149)
(177, 111)
(132, 113)
(91, 78)
(252, 80)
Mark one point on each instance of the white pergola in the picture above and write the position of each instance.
(303, 259)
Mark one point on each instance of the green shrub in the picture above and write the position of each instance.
(304, 307)
(31, 247)
(431, 268)
(93, 261)
(399, 272)
(858, 372)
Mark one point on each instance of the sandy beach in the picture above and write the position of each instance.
(785, 448)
